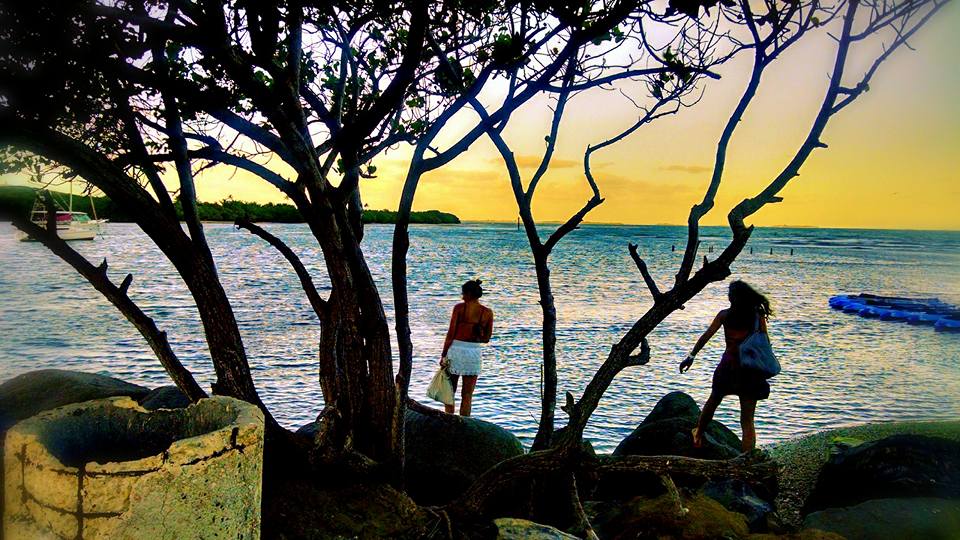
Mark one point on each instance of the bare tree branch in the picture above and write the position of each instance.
(647, 278)
(97, 276)
(319, 305)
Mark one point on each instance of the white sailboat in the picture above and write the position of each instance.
(70, 225)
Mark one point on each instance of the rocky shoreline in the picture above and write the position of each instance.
(802, 459)
(885, 480)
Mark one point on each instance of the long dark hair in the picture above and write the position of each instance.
(746, 304)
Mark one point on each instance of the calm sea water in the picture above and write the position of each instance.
(838, 368)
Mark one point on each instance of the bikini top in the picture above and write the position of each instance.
(477, 329)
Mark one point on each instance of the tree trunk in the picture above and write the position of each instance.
(356, 367)
(549, 337)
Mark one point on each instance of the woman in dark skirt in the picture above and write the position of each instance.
(748, 310)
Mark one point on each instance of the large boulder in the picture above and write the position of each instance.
(446, 453)
(165, 397)
(917, 518)
(667, 431)
(25, 395)
(521, 529)
(895, 467)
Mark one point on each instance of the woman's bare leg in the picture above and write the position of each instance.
(706, 415)
(748, 408)
(450, 409)
(466, 396)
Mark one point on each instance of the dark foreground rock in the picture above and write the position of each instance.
(25, 395)
(446, 453)
(295, 508)
(738, 496)
(883, 519)
(645, 518)
(894, 467)
(666, 432)
(165, 397)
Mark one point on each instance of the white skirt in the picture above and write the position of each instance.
(464, 358)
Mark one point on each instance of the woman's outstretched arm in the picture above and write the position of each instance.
(702, 342)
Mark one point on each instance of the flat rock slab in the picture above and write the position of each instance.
(25, 395)
(801, 458)
(896, 466)
(884, 519)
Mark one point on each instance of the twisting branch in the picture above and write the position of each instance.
(97, 276)
(320, 306)
(562, 97)
(830, 105)
(754, 467)
(673, 494)
(647, 278)
(582, 526)
(762, 57)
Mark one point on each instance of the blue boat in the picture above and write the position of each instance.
(917, 311)
(947, 324)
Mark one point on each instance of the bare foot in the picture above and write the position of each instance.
(697, 439)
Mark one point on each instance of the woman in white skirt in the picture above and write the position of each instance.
(470, 325)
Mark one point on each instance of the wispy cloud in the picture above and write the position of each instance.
(534, 161)
(689, 169)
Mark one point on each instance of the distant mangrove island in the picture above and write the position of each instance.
(18, 200)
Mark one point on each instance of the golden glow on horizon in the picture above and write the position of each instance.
(893, 160)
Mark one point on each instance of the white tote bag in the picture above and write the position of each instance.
(441, 389)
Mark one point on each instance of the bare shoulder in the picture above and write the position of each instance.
(722, 315)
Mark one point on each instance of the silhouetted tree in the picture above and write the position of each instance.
(879, 28)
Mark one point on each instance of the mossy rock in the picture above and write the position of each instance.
(521, 529)
(897, 466)
(806, 534)
(295, 508)
(645, 518)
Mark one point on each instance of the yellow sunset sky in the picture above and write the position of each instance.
(892, 162)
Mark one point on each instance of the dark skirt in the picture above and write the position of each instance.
(730, 380)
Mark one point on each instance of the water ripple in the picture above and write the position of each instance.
(838, 369)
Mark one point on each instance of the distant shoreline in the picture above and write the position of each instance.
(18, 200)
(14, 199)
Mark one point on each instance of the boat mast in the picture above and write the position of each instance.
(70, 206)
